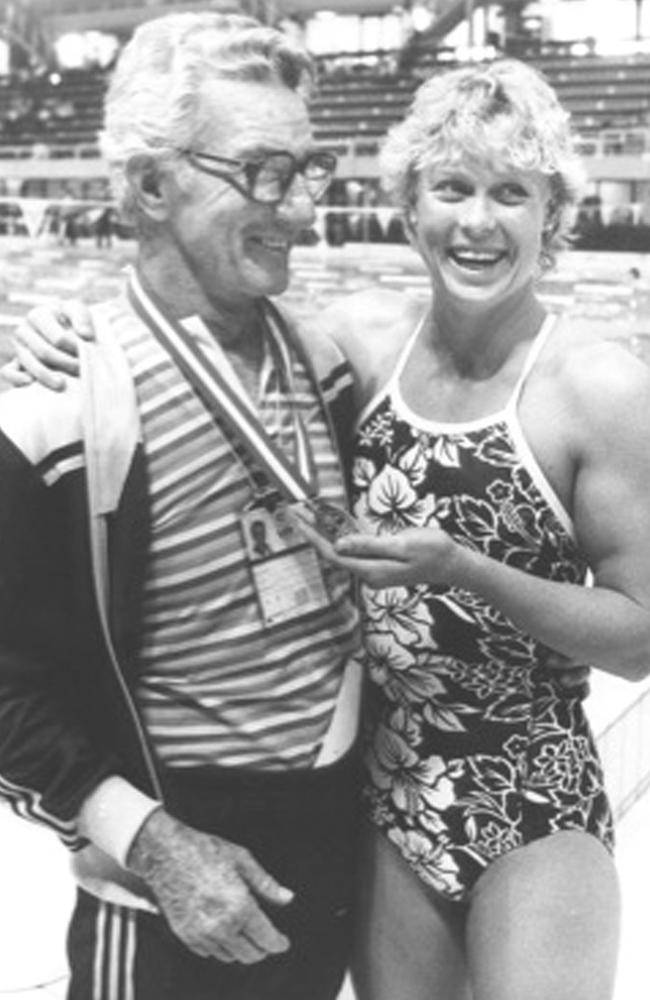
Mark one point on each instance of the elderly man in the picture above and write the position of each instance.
(182, 712)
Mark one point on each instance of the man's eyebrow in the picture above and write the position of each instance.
(262, 149)
(256, 151)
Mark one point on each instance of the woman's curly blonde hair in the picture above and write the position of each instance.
(504, 112)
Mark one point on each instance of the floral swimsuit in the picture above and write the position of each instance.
(473, 747)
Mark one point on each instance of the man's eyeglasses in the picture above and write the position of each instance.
(267, 180)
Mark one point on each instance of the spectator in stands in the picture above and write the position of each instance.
(619, 232)
(70, 229)
(183, 719)
(372, 229)
(64, 109)
(588, 227)
(104, 227)
(336, 223)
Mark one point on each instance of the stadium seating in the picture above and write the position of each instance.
(600, 93)
(61, 112)
(354, 101)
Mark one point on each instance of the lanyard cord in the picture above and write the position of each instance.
(226, 397)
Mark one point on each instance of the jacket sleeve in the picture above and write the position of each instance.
(51, 753)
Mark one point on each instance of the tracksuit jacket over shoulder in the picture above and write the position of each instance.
(74, 524)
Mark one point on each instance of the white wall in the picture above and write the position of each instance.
(602, 19)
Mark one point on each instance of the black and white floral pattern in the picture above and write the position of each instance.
(473, 748)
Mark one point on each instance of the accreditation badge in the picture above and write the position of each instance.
(285, 568)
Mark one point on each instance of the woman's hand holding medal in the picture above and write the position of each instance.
(322, 523)
(412, 556)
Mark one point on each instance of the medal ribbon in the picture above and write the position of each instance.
(227, 399)
(304, 456)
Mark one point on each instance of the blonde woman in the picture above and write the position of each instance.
(501, 456)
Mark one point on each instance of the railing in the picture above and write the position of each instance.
(47, 151)
(608, 143)
(615, 142)
(625, 752)
(29, 209)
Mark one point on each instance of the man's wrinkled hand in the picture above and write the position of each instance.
(574, 677)
(209, 890)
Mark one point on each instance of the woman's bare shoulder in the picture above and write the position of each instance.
(598, 339)
(378, 320)
(370, 327)
(372, 312)
(601, 366)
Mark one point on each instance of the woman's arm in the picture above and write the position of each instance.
(607, 419)
(370, 328)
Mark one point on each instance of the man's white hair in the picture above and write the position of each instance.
(152, 103)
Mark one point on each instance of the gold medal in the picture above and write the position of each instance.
(331, 520)
(322, 520)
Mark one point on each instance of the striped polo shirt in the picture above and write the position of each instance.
(217, 686)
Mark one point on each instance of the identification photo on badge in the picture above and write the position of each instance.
(277, 550)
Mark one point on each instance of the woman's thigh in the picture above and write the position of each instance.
(544, 921)
(409, 943)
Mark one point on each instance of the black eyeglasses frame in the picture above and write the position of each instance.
(252, 168)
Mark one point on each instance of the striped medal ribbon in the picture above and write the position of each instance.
(226, 398)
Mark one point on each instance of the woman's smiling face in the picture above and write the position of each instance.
(478, 226)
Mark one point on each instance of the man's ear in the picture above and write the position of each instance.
(145, 180)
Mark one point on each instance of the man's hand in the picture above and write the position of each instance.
(574, 677)
(208, 890)
(45, 345)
